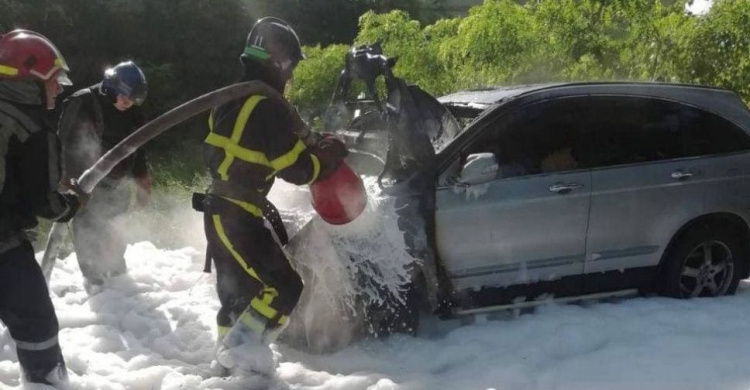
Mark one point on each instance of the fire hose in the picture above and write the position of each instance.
(92, 176)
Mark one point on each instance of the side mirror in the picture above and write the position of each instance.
(479, 168)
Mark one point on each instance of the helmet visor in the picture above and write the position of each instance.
(63, 79)
(138, 94)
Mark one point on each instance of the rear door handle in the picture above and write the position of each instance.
(564, 188)
(682, 175)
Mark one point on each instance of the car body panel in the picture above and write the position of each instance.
(489, 235)
(728, 184)
(635, 210)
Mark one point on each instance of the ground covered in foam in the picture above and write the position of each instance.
(154, 330)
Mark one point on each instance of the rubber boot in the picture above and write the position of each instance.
(243, 350)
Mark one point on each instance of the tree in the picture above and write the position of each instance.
(720, 48)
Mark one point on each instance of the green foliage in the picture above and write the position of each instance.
(315, 78)
(504, 42)
(405, 39)
(189, 47)
(721, 47)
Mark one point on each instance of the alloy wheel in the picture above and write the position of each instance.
(707, 271)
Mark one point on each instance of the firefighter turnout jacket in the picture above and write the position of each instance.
(252, 142)
(90, 125)
(29, 167)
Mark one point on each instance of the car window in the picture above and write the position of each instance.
(539, 138)
(707, 133)
(629, 130)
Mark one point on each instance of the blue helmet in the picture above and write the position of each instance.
(126, 79)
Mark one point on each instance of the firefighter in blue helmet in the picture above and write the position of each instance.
(251, 142)
(94, 120)
(32, 72)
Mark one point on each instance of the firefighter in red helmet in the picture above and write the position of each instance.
(32, 73)
(250, 143)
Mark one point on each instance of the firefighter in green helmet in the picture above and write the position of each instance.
(251, 142)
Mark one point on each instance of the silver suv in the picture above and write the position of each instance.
(569, 191)
(577, 189)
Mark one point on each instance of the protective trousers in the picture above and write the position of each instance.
(26, 309)
(99, 244)
(255, 282)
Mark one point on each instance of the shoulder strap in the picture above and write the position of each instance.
(98, 115)
(90, 101)
(12, 114)
(13, 122)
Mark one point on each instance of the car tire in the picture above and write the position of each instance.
(706, 261)
(394, 316)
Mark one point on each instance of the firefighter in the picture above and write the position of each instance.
(94, 120)
(250, 143)
(32, 72)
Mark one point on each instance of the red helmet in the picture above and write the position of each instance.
(27, 55)
(340, 197)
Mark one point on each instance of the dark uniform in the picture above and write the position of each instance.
(29, 176)
(251, 143)
(90, 125)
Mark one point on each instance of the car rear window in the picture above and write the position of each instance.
(628, 130)
(625, 130)
(707, 133)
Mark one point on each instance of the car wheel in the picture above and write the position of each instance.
(706, 262)
(393, 316)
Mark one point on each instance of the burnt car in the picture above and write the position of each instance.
(568, 190)
(590, 188)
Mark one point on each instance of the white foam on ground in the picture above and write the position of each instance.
(154, 329)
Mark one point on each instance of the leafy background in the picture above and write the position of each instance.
(189, 47)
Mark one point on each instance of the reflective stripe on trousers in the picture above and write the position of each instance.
(40, 346)
(262, 304)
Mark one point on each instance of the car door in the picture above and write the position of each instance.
(723, 150)
(526, 221)
(644, 186)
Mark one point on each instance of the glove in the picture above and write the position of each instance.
(143, 190)
(330, 152)
(73, 188)
(76, 198)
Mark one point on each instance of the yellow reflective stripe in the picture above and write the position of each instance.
(262, 308)
(248, 155)
(269, 293)
(316, 167)
(59, 62)
(249, 207)
(8, 71)
(225, 240)
(243, 116)
(222, 330)
(211, 121)
(289, 157)
(252, 323)
(231, 145)
(282, 320)
(224, 166)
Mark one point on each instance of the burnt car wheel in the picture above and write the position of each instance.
(706, 262)
(394, 316)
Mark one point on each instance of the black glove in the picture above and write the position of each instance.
(75, 189)
(330, 152)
